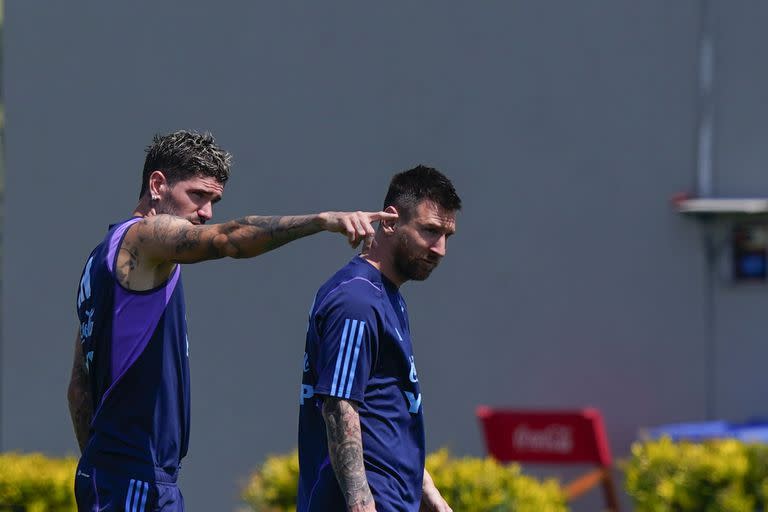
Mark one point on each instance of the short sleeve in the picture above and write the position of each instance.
(347, 329)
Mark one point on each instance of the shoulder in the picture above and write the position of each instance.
(356, 290)
(157, 236)
(350, 292)
(158, 224)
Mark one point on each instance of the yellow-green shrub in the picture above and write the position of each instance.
(36, 483)
(273, 487)
(716, 476)
(468, 484)
(478, 485)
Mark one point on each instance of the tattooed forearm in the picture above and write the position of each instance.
(80, 400)
(250, 236)
(163, 240)
(345, 449)
(176, 240)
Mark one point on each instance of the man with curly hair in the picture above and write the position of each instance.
(129, 389)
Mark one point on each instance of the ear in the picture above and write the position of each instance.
(389, 226)
(158, 184)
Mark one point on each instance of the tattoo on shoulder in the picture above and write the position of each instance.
(129, 257)
(180, 235)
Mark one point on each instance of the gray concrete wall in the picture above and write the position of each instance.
(565, 126)
(740, 156)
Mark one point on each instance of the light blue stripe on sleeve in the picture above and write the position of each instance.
(354, 360)
(144, 498)
(347, 357)
(137, 496)
(128, 496)
(340, 356)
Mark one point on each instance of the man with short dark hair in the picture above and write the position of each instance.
(361, 429)
(129, 390)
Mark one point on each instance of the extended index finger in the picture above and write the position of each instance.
(382, 216)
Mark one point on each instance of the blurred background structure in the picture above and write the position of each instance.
(566, 127)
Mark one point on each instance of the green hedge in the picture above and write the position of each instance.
(468, 484)
(479, 485)
(661, 476)
(715, 476)
(35, 483)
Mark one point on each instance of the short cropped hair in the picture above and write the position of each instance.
(185, 154)
(408, 188)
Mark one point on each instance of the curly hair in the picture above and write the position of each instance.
(185, 154)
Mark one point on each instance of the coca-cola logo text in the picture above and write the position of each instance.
(550, 439)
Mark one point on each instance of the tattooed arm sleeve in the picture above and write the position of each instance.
(345, 449)
(165, 238)
(79, 397)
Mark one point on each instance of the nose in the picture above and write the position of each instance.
(438, 248)
(205, 212)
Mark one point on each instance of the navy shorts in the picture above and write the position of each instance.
(97, 490)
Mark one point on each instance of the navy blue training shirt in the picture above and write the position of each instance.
(359, 348)
(137, 355)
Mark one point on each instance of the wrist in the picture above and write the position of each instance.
(322, 221)
(362, 503)
(362, 508)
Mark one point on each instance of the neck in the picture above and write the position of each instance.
(380, 256)
(144, 208)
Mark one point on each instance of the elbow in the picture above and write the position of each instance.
(224, 247)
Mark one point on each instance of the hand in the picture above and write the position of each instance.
(432, 501)
(357, 226)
